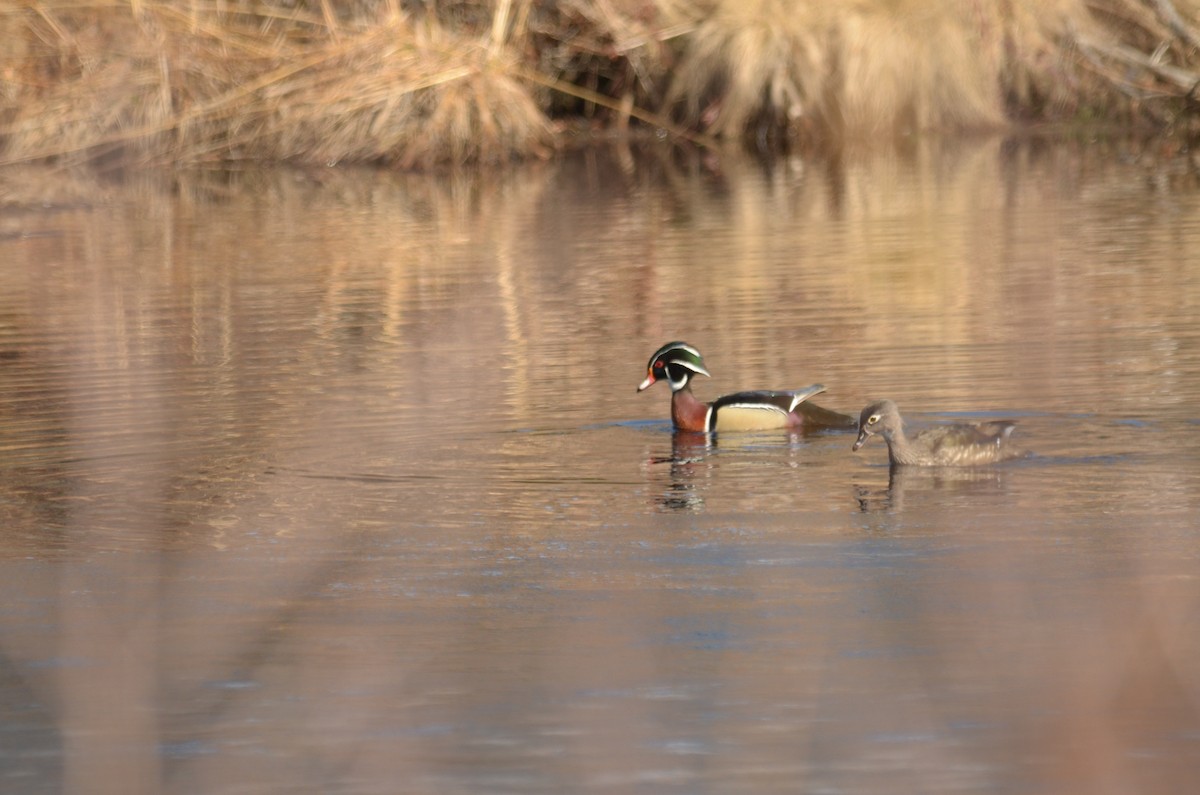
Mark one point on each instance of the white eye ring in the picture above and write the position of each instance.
(874, 418)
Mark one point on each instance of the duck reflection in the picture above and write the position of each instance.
(692, 462)
(686, 464)
(906, 483)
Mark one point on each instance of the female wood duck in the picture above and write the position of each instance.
(677, 362)
(965, 444)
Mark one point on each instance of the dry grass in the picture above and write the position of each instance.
(319, 82)
(161, 84)
(768, 69)
(401, 94)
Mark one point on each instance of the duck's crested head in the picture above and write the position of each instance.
(676, 362)
(882, 417)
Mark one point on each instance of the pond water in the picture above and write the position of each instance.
(337, 481)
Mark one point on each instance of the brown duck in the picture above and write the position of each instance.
(961, 445)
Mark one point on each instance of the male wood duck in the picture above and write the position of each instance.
(964, 444)
(763, 410)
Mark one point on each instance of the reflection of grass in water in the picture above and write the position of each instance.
(945, 277)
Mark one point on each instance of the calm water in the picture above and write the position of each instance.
(337, 482)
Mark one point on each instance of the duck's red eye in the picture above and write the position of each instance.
(658, 365)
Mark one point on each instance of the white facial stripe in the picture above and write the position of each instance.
(664, 355)
(677, 385)
(684, 347)
(682, 382)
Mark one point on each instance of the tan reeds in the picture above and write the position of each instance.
(167, 85)
(770, 68)
(857, 69)
(476, 81)
(411, 95)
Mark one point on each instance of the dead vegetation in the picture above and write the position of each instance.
(776, 71)
(186, 81)
(161, 83)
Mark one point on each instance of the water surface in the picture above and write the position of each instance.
(337, 481)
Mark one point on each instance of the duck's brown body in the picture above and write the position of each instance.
(957, 445)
